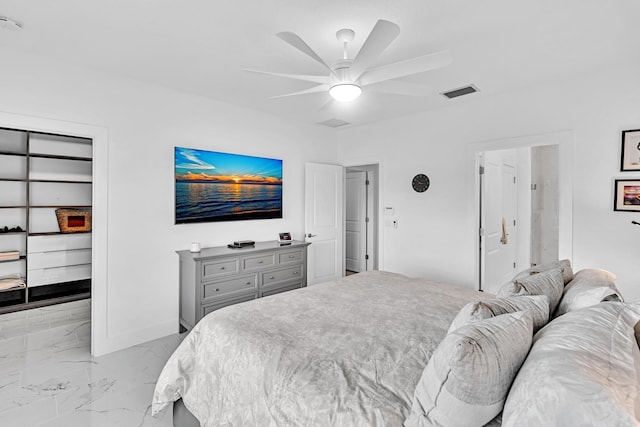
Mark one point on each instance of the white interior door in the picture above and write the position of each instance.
(324, 211)
(356, 221)
(499, 202)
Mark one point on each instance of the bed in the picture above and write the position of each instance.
(381, 349)
(342, 353)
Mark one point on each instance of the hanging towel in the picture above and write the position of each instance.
(505, 237)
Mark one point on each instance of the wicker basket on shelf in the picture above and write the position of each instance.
(74, 220)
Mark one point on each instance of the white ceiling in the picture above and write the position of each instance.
(202, 46)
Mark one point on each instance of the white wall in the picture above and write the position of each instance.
(143, 123)
(435, 237)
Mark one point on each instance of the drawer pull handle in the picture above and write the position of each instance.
(292, 256)
(248, 283)
(295, 272)
(222, 268)
(260, 262)
(217, 289)
(271, 278)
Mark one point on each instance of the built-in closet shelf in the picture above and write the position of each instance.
(12, 153)
(59, 206)
(55, 233)
(7, 291)
(13, 260)
(46, 206)
(14, 179)
(55, 156)
(2, 233)
(46, 156)
(41, 303)
(79, 264)
(61, 181)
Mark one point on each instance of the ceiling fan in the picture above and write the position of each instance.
(347, 77)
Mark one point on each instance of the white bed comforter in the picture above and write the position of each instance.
(343, 353)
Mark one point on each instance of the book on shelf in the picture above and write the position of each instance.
(9, 255)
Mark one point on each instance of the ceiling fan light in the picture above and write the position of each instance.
(345, 92)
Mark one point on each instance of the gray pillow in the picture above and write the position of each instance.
(588, 287)
(474, 311)
(549, 283)
(583, 370)
(565, 265)
(469, 374)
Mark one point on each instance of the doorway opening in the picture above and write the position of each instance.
(523, 205)
(361, 218)
(100, 343)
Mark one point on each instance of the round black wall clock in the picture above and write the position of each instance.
(420, 183)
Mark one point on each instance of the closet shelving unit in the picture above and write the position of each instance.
(40, 173)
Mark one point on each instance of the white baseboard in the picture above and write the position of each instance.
(121, 341)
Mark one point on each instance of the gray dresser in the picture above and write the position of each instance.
(220, 276)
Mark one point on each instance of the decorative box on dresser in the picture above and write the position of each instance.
(217, 277)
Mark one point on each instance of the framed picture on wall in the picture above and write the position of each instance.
(214, 186)
(630, 151)
(627, 195)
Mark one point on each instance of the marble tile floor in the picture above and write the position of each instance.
(48, 377)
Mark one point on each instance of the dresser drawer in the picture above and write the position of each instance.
(213, 269)
(260, 261)
(279, 289)
(206, 309)
(282, 275)
(237, 284)
(290, 257)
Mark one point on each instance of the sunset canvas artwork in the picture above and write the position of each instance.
(214, 186)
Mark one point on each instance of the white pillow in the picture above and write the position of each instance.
(549, 283)
(583, 370)
(564, 265)
(474, 311)
(467, 379)
(588, 287)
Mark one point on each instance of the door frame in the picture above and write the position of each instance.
(99, 250)
(378, 229)
(564, 140)
(364, 232)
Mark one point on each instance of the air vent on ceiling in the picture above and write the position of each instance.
(334, 123)
(460, 91)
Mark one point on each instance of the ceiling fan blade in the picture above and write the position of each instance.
(328, 104)
(303, 77)
(294, 40)
(382, 35)
(400, 88)
(314, 89)
(407, 68)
